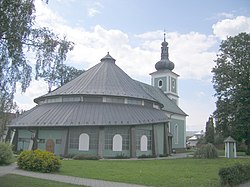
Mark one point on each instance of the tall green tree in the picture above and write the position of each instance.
(18, 36)
(209, 134)
(231, 79)
(60, 75)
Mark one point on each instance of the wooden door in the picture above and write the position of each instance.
(50, 145)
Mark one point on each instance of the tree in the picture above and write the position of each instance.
(58, 76)
(231, 79)
(18, 36)
(209, 134)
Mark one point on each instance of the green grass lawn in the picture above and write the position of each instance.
(21, 181)
(178, 172)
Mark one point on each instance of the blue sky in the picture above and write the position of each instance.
(132, 31)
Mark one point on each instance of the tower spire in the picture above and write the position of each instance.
(164, 35)
(164, 63)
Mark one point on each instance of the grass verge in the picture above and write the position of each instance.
(21, 181)
(178, 172)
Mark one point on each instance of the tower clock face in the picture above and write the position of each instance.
(173, 85)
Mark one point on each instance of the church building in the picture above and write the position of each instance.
(105, 112)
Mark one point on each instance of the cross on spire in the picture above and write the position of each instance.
(164, 35)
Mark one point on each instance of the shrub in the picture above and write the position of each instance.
(121, 156)
(38, 160)
(6, 154)
(206, 151)
(234, 175)
(85, 157)
(147, 156)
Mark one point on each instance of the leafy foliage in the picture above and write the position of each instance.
(234, 175)
(86, 157)
(209, 134)
(206, 151)
(38, 160)
(18, 36)
(232, 85)
(6, 154)
(60, 75)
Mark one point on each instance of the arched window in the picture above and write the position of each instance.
(176, 137)
(117, 142)
(144, 143)
(160, 83)
(84, 142)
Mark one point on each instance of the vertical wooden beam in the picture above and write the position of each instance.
(101, 142)
(155, 150)
(132, 142)
(35, 140)
(166, 140)
(65, 144)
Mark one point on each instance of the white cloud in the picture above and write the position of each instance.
(231, 27)
(94, 9)
(225, 15)
(93, 12)
(36, 89)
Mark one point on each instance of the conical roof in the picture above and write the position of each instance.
(105, 78)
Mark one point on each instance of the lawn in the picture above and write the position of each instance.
(178, 172)
(21, 181)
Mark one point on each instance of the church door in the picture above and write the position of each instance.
(50, 145)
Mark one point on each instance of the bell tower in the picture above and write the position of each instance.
(164, 78)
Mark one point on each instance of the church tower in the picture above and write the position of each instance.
(164, 78)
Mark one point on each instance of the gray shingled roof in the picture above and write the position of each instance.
(158, 95)
(88, 114)
(105, 78)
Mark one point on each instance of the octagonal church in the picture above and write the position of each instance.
(105, 112)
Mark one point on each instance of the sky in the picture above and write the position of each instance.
(132, 32)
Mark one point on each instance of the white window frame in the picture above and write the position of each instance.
(144, 143)
(117, 143)
(83, 142)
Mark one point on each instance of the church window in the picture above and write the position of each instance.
(144, 143)
(74, 140)
(114, 100)
(139, 134)
(117, 143)
(160, 83)
(176, 134)
(84, 142)
(111, 132)
(58, 141)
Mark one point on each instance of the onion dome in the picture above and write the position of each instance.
(164, 63)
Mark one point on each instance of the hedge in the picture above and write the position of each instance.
(38, 160)
(234, 175)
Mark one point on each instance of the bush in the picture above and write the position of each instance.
(147, 156)
(121, 156)
(38, 160)
(234, 175)
(206, 151)
(6, 154)
(85, 157)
